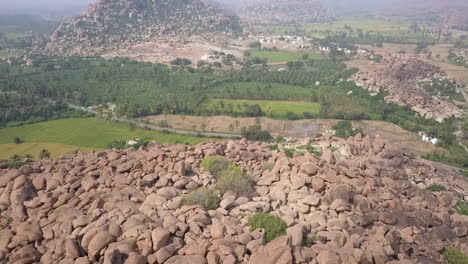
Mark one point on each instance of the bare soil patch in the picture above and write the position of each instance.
(404, 139)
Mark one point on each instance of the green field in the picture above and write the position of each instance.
(63, 136)
(398, 31)
(275, 109)
(4, 54)
(259, 91)
(283, 56)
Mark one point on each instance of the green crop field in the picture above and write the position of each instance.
(63, 136)
(283, 56)
(276, 109)
(4, 54)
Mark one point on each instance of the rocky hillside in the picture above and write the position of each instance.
(285, 12)
(116, 23)
(404, 78)
(452, 13)
(363, 203)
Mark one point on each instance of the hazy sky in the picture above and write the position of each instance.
(41, 6)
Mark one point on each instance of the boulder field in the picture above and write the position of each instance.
(364, 202)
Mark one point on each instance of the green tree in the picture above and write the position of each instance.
(17, 140)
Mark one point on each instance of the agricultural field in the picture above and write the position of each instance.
(4, 54)
(275, 109)
(63, 136)
(357, 28)
(284, 56)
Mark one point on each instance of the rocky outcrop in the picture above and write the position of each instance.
(112, 24)
(363, 203)
(403, 78)
(282, 12)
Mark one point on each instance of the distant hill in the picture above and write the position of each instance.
(453, 12)
(285, 12)
(112, 23)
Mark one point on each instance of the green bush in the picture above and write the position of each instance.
(234, 179)
(436, 188)
(273, 225)
(255, 133)
(204, 197)
(455, 256)
(461, 207)
(216, 165)
(344, 129)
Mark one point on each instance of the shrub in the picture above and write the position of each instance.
(44, 154)
(461, 207)
(344, 129)
(216, 165)
(255, 133)
(17, 140)
(454, 256)
(289, 152)
(436, 188)
(204, 197)
(234, 179)
(273, 225)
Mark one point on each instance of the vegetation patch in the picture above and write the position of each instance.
(204, 197)
(284, 56)
(344, 129)
(236, 180)
(461, 207)
(216, 165)
(56, 150)
(273, 225)
(90, 133)
(274, 109)
(454, 256)
(436, 188)
(255, 133)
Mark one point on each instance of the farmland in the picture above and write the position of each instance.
(63, 136)
(357, 29)
(275, 109)
(283, 56)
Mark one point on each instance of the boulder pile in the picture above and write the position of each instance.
(361, 201)
(403, 77)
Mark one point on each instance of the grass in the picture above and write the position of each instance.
(283, 56)
(56, 149)
(4, 54)
(275, 109)
(461, 207)
(436, 188)
(455, 256)
(62, 136)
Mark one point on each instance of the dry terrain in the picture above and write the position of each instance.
(302, 128)
(164, 51)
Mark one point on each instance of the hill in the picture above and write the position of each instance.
(451, 13)
(109, 24)
(280, 12)
(361, 201)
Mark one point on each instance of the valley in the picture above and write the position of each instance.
(257, 132)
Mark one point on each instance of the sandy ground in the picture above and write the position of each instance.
(164, 51)
(303, 128)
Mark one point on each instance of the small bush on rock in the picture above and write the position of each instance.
(273, 225)
(216, 165)
(436, 188)
(461, 207)
(234, 179)
(204, 197)
(454, 256)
